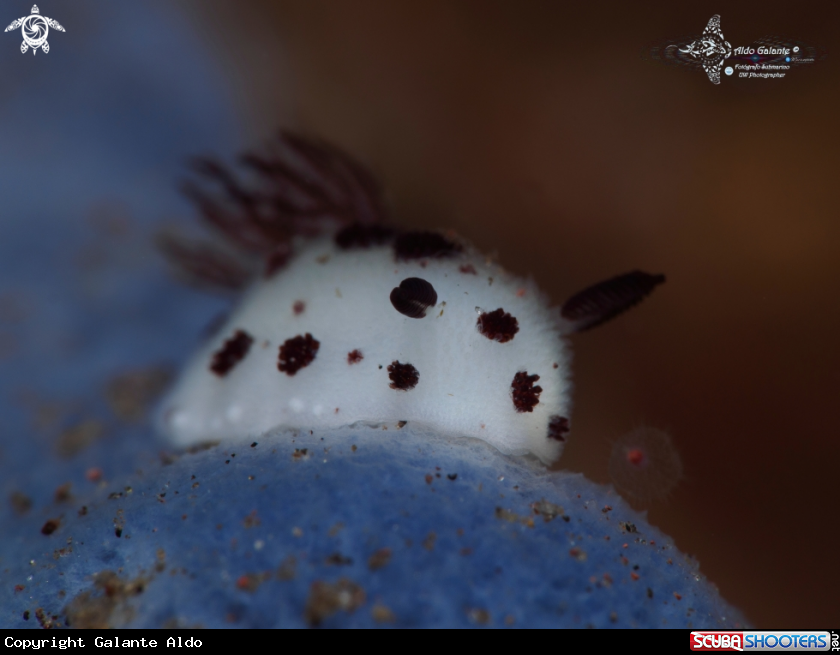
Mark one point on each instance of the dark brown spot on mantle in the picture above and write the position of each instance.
(403, 376)
(231, 353)
(525, 395)
(498, 325)
(558, 428)
(297, 353)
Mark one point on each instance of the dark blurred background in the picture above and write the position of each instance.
(537, 131)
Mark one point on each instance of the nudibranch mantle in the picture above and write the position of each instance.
(357, 322)
(322, 343)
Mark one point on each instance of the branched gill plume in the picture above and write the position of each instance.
(302, 186)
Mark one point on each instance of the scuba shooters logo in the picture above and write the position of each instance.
(764, 640)
(769, 57)
(35, 29)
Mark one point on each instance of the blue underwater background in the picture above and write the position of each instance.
(102, 525)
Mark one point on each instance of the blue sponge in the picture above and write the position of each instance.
(359, 527)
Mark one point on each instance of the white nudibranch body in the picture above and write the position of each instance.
(367, 324)
(347, 335)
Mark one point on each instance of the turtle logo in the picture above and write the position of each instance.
(35, 28)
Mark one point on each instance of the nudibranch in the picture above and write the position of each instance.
(351, 321)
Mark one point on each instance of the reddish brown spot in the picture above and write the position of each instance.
(250, 582)
(62, 493)
(498, 325)
(468, 269)
(520, 293)
(297, 353)
(555, 365)
(355, 356)
(232, 352)
(635, 456)
(94, 474)
(422, 245)
(525, 395)
(251, 521)
(558, 428)
(379, 559)
(644, 464)
(403, 376)
(363, 236)
(50, 526)
(298, 307)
